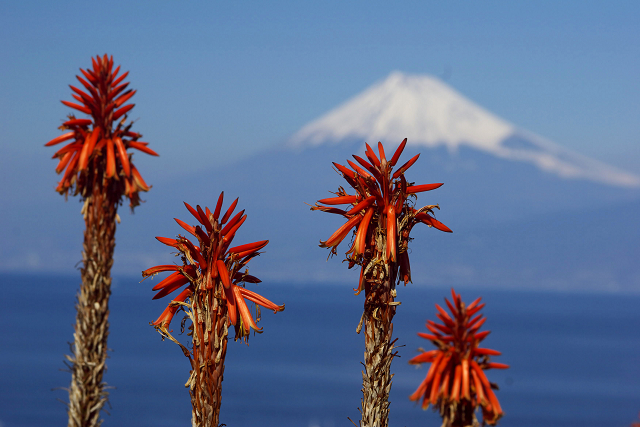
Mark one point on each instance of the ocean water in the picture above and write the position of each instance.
(575, 359)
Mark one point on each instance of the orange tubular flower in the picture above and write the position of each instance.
(456, 382)
(96, 148)
(212, 267)
(379, 209)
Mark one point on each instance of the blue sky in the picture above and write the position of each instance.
(218, 80)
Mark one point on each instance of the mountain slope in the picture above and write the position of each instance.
(513, 225)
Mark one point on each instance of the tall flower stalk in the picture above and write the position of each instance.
(383, 215)
(96, 166)
(213, 298)
(456, 383)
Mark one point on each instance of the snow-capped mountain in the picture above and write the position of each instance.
(430, 113)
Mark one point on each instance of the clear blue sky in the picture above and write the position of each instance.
(217, 80)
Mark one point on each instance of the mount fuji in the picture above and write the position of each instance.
(525, 212)
(432, 114)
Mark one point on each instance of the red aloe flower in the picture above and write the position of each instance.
(96, 148)
(214, 288)
(381, 203)
(381, 212)
(456, 382)
(95, 164)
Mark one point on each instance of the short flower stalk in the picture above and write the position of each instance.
(456, 383)
(382, 214)
(213, 298)
(96, 166)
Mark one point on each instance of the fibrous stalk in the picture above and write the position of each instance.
(207, 360)
(376, 378)
(86, 392)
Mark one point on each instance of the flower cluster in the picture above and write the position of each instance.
(97, 147)
(212, 266)
(380, 211)
(456, 377)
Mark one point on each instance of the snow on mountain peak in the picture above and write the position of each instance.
(421, 108)
(430, 113)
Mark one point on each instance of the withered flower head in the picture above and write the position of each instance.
(381, 210)
(212, 267)
(456, 382)
(97, 149)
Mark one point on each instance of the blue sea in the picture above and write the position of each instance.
(575, 358)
